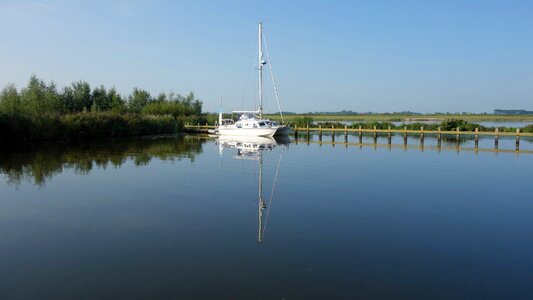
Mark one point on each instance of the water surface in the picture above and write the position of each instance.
(181, 217)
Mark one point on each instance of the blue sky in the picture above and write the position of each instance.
(379, 56)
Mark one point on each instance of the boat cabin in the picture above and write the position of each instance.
(252, 121)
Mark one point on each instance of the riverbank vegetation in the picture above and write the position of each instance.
(446, 125)
(41, 111)
(408, 117)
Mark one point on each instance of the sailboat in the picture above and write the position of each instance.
(252, 123)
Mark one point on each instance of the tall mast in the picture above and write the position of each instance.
(261, 63)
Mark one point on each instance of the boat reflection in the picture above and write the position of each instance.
(252, 148)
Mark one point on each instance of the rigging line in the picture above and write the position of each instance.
(272, 192)
(272, 77)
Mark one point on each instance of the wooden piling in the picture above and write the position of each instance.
(517, 139)
(439, 138)
(457, 140)
(496, 137)
(375, 136)
(333, 134)
(389, 137)
(345, 134)
(360, 135)
(476, 138)
(296, 132)
(422, 136)
(320, 133)
(405, 136)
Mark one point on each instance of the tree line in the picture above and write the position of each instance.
(39, 97)
(42, 111)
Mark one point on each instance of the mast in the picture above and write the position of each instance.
(260, 68)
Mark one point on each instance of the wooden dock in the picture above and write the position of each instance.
(421, 134)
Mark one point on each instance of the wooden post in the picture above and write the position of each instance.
(389, 137)
(405, 135)
(333, 135)
(360, 135)
(422, 136)
(320, 133)
(307, 131)
(457, 140)
(496, 137)
(439, 138)
(476, 139)
(345, 134)
(375, 136)
(517, 139)
(296, 132)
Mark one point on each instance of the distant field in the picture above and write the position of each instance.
(392, 118)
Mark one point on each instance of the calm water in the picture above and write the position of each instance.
(183, 218)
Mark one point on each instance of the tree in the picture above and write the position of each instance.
(161, 98)
(10, 101)
(77, 97)
(117, 104)
(139, 99)
(39, 98)
(193, 106)
(101, 99)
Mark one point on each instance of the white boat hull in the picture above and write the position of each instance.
(247, 131)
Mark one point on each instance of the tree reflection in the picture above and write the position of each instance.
(39, 163)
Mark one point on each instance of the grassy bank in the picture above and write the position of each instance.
(81, 126)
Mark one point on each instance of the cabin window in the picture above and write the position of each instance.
(239, 126)
(261, 123)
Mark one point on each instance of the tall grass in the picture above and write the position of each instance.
(80, 126)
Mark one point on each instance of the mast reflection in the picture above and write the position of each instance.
(251, 148)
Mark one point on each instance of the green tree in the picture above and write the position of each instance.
(139, 99)
(161, 98)
(193, 106)
(101, 99)
(77, 97)
(117, 104)
(39, 98)
(10, 102)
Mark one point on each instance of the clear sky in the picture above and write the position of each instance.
(379, 56)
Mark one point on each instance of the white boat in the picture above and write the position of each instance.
(252, 123)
